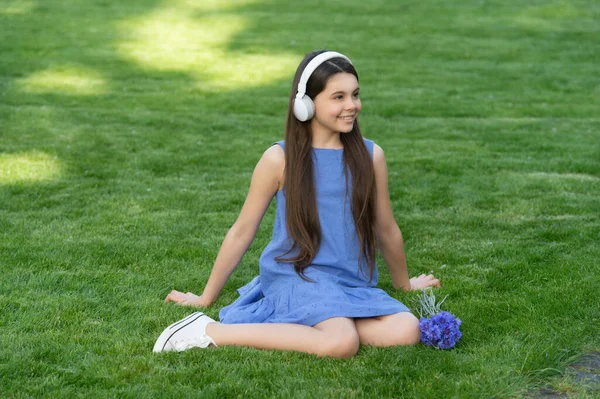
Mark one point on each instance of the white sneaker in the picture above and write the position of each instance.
(185, 334)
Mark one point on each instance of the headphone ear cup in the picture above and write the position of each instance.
(310, 106)
(304, 108)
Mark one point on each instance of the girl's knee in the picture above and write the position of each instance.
(341, 346)
(410, 333)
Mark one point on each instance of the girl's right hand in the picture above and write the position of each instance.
(423, 281)
(187, 299)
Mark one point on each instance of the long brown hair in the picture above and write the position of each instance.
(302, 219)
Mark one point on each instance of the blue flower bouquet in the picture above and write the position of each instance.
(439, 329)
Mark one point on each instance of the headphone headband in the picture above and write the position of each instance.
(314, 64)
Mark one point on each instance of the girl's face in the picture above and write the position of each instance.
(338, 105)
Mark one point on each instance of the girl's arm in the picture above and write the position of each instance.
(266, 180)
(389, 236)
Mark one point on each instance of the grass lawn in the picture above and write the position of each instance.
(128, 135)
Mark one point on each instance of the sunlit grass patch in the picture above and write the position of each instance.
(560, 176)
(546, 16)
(17, 7)
(180, 38)
(214, 5)
(64, 80)
(28, 167)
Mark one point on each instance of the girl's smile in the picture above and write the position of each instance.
(347, 119)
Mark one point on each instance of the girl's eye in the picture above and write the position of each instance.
(355, 95)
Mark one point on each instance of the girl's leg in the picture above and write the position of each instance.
(390, 330)
(336, 337)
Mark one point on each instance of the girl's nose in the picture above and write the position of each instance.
(351, 104)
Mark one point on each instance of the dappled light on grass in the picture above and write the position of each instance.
(214, 5)
(546, 17)
(558, 176)
(17, 7)
(180, 37)
(486, 111)
(28, 167)
(68, 80)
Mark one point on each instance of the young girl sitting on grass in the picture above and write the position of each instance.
(316, 292)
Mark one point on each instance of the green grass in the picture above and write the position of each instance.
(128, 134)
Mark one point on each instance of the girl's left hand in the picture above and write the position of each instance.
(186, 299)
(423, 281)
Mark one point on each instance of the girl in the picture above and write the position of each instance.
(316, 289)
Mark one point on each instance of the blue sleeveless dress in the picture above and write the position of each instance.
(340, 288)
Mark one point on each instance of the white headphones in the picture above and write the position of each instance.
(304, 108)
